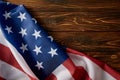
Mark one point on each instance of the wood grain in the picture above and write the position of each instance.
(77, 21)
(90, 26)
(89, 41)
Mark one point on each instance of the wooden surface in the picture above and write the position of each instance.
(89, 26)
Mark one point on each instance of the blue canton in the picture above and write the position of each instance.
(40, 51)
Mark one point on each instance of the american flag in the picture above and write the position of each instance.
(27, 52)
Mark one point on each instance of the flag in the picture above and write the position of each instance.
(27, 52)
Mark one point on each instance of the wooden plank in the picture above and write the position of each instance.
(68, 5)
(89, 41)
(78, 21)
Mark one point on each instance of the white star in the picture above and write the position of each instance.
(36, 34)
(8, 29)
(22, 16)
(23, 32)
(34, 20)
(8, 3)
(39, 65)
(21, 5)
(23, 47)
(53, 52)
(37, 50)
(51, 38)
(7, 15)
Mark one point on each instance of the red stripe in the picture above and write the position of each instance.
(78, 73)
(1, 78)
(99, 63)
(51, 77)
(81, 74)
(7, 56)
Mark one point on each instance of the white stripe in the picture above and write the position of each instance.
(17, 55)
(9, 72)
(62, 73)
(93, 70)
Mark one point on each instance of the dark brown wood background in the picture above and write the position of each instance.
(89, 26)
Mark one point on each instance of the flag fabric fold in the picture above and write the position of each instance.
(29, 53)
